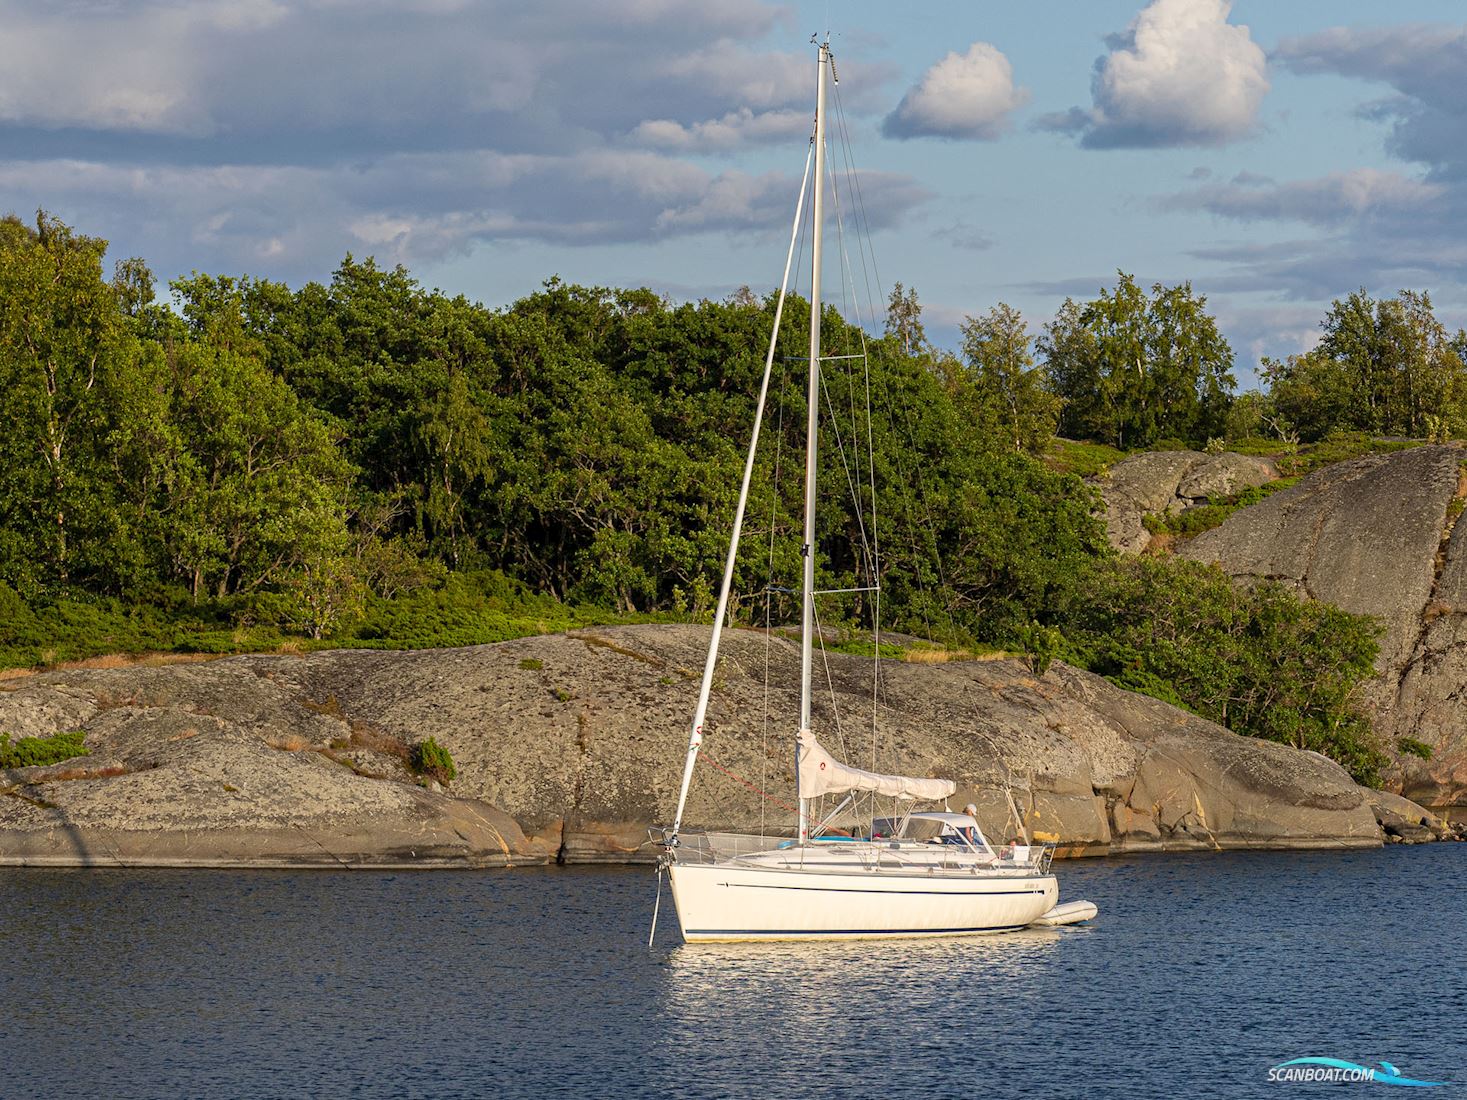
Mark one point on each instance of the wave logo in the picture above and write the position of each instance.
(1338, 1071)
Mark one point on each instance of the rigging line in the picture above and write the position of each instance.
(923, 493)
(845, 466)
(853, 484)
(736, 777)
(840, 736)
(864, 244)
(875, 562)
(848, 281)
(710, 664)
(769, 588)
(860, 204)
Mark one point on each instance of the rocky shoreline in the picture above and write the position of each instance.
(569, 746)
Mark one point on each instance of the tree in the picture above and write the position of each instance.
(1134, 370)
(1386, 367)
(78, 404)
(1260, 661)
(258, 489)
(453, 435)
(904, 320)
(1002, 380)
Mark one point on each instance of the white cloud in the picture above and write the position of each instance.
(1326, 200)
(1180, 75)
(1426, 66)
(969, 95)
(273, 135)
(732, 131)
(412, 208)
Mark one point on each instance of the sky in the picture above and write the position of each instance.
(1276, 155)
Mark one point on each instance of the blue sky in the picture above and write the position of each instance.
(1276, 154)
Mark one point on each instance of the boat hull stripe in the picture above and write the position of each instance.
(821, 932)
(887, 893)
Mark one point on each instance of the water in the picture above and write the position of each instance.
(1201, 973)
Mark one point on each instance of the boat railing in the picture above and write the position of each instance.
(699, 846)
(958, 857)
(1039, 857)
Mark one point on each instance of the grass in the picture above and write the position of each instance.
(932, 654)
(79, 631)
(1070, 456)
(1340, 448)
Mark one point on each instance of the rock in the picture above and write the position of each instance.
(1170, 482)
(570, 746)
(1400, 817)
(1378, 536)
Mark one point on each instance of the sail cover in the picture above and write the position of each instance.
(821, 773)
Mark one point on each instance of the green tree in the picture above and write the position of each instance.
(79, 402)
(1002, 380)
(1386, 367)
(904, 320)
(1133, 370)
(258, 487)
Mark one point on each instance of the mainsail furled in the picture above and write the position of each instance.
(821, 773)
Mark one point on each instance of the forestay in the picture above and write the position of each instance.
(820, 773)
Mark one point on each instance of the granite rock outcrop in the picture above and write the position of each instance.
(569, 746)
(1379, 535)
(1168, 483)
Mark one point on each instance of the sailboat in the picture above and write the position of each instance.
(927, 872)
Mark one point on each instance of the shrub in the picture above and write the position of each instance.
(433, 760)
(1041, 646)
(1413, 747)
(32, 751)
(1260, 661)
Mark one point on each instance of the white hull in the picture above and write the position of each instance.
(733, 901)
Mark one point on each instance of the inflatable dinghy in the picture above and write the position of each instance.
(1071, 912)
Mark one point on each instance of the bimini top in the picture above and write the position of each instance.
(821, 773)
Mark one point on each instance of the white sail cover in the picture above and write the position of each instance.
(821, 773)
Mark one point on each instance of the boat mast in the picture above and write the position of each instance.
(710, 665)
(812, 429)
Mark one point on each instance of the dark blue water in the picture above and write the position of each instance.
(1201, 973)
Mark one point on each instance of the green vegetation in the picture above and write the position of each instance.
(1069, 456)
(1339, 447)
(1412, 747)
(1259, 661)
(1383, 367)
(1137, 371)
(369, 463)
(1204, 517)
(31, 751)
(431, 759)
